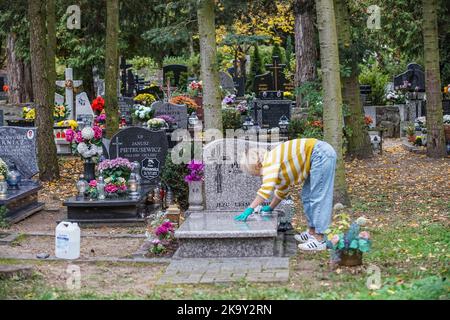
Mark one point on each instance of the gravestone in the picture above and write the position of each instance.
(223, 174)
(269, 112)
(2, 120)
(105, 147)
(270, 84)
(177, 70)
(149, 148)
(83, 107)
(59, 99)
(228, 191)
(178, 112)
(226, 82)
(131, 83)
(238, 80)
(124, 89)
(18, 145)
(414, 75)
(126, 105)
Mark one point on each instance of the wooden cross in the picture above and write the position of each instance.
(69, 84)
(276, 69)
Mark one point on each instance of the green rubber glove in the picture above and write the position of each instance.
(244, 215)
(266, 209)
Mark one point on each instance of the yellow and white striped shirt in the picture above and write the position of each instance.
(287, 164)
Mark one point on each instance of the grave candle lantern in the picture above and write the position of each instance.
(81, 186)
(101, 188)
(248, 123)
(133, 186)
(3, 187)
(193, 119)
(14, 177)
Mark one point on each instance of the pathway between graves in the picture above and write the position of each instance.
(218, 270)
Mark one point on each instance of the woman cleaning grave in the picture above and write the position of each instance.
(301, 160)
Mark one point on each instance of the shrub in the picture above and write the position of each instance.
(172, 176)
(231, 119)
(373, 76)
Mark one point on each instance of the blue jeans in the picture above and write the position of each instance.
(317, 192)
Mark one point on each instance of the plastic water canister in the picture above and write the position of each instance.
(67, 240)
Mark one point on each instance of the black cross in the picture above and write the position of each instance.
(275, 67)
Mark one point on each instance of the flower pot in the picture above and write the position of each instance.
(195, 196)
(350, 258)
(89, 170)
(447, 132)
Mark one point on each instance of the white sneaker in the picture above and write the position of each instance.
(303, 237)
(313, 245)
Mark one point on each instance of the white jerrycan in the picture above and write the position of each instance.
(67, 240)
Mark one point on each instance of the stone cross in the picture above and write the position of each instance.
(69, 84)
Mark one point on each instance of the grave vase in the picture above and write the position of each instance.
(89, 169)
(195, 196)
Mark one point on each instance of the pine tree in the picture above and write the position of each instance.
(256, 67)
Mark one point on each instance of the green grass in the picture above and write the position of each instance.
(413, 264)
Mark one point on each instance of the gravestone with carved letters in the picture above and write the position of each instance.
(178, 112)
(18, 147)
(149, 148)
(213, 232)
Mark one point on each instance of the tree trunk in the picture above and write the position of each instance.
(435, 130)
(112, 67)
(209, 66)
(47, 158)
(19, 74)
(305, 44)
(358, 140)
(51, 49)
(332, 101)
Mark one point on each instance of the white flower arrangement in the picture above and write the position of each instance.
(89, 151)
(87, 133)
(143, 112)
(156, 123)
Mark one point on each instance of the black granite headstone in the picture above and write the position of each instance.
(269, 112)
(126, 108)
(272, 84)
(149, 148)
(239, 82)
(131, 84)
(446, 107)
(414, 75)
(2, 120)
(176, 111)
(18, 145)
(124, 75)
